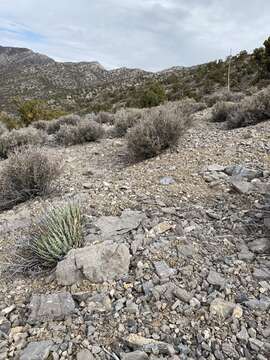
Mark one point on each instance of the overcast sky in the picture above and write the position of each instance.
(148, 34)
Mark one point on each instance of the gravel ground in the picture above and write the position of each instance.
(198, 286)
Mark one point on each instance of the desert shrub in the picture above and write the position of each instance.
(104, 117)
(40, 125)
(85, 131)
(221, 110)
(125, 119)
(224, 95)
(28, 172)
(59, 231)
(158, 130)
(3, 128)
(16, 138)
(68, 120)
(251, 111)
(34, 110)
(185, 106)
(152, 95)
(10, 121)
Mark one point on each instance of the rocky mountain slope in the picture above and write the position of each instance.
(26, 74)
(186, 245)
(89, 86)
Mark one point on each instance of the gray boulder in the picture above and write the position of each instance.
(214, 278)
(37, 350)
(97, 263)
(259, 246)
(51, 307)
(240, 185)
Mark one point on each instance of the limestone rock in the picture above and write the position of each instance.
(241, 186)
(222, 308)
(148, 345)
(85, 355)
(97, 263)
(214, 278)
(113, 226)
(51, 307)
(134, 355)
(37, 350)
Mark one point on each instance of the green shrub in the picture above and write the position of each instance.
(158, 130)
(10, 121)
(124, 120)
(221, 110)
(13, 139)
(54, 236)
(27, 173)
(152, 95)
(85, 131)
(34, 110)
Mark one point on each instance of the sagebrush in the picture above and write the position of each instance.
(68, 120)
(125, 119)
(158, 130)
(221, 111)
(85, 131)
(11, 140)
(251, 110)
(28, 172)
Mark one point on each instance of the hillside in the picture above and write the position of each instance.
(89, 86)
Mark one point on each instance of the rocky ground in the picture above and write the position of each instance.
(179, 255)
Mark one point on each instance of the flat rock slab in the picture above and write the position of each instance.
(51, 307)
(37, 350)
(259, 246)
(113, 226)
(241, 186)
(216, 279)
(97, 263)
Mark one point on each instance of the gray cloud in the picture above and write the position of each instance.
(149, 34)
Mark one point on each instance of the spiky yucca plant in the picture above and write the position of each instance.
(57, 233)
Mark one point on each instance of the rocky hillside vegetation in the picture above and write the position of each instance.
(88, 86)
(139, 234)
(134, 210)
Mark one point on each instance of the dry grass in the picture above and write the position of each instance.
(27, 173)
